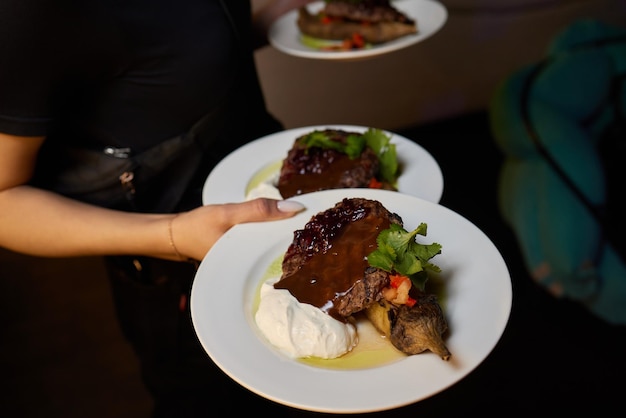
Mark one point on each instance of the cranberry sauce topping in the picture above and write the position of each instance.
(310, 169)
(321, 169)
(337, 243)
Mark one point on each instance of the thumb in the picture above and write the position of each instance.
(263, 209)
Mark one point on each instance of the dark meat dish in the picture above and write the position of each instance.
(373, 11)
(311, 169)
(376, 21)
(326, 263)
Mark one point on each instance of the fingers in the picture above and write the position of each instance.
(195, 232)
(261, 209)
(289, 206)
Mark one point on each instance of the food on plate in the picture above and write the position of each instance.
(413, 329)
(336, 159)
(356, 258)
(301, 330)
(355, 22)
(326, 263)
(329, 159)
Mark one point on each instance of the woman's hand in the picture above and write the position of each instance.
(193, 233)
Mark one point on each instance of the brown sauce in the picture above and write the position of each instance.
(327, 276)
(325, 175)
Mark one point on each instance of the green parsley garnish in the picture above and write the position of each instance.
(353, 147)
(399, 252)
(375, 139)
(386, 151)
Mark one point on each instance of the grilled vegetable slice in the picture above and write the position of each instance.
(412, 330)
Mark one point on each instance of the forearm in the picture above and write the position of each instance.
(41, 223)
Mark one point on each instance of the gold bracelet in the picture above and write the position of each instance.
(171, 237)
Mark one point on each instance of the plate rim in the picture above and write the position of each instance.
(231, 363)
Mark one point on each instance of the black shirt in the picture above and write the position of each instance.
(127, 73)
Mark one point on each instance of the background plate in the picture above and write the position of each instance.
(421, 175)
(430, 16)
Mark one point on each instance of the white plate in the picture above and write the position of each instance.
(477, 305)
(430, 16)
(420, 176)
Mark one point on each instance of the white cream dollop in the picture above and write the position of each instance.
(266, 188)
(301, 330)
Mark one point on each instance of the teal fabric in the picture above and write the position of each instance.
(566, 101)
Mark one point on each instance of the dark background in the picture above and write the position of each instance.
(554, 356)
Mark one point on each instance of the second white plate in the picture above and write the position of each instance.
(420, 174)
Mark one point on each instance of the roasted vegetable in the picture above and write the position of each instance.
(412, 330)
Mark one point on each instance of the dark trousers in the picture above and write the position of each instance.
(151, 300)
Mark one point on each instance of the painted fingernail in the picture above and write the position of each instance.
(289, 206)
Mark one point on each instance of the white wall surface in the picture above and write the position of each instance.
(451, 73)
